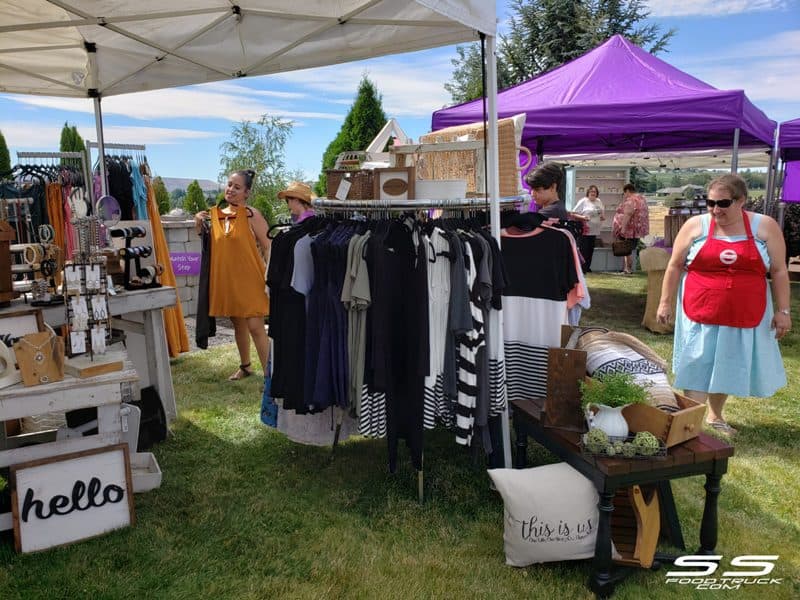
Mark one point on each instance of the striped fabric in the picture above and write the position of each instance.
(468, 347)
(526, 370)
(372, 422)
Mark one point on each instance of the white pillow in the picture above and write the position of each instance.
(550, 514)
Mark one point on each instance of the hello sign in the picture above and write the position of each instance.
(63, 499)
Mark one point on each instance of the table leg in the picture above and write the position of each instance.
(670, 523)
(708, 526)
(520, 444)
(601, 582)
(158, 361)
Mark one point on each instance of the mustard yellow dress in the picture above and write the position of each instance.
(236, 286)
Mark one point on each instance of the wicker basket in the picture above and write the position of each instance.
(360, 183)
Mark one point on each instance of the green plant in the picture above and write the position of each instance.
(596, 440)
(646, 443)
(613, 389)
(3, 483)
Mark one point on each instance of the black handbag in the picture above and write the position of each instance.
(623, 247)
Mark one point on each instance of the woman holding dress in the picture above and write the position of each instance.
(236, 281)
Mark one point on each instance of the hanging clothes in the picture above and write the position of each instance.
(541, 273)
(174, 325)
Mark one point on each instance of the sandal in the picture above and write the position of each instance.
(722, 427)
(242, 372)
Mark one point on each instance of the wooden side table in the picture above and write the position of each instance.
(105, 392)
(704, 455)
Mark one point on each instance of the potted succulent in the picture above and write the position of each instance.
(604, 398)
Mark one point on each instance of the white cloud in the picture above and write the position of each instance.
(227, 101)
(412, 87)
(766, 69)
(35, 135)
(774, 80)
(686, 8)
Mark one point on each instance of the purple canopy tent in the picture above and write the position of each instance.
(789, 144)
(619, 98)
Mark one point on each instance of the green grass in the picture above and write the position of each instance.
(244, 513)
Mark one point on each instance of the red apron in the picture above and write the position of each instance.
(726, 282)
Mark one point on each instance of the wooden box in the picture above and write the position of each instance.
(671, 428)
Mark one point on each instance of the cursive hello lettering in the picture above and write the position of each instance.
(83, 497)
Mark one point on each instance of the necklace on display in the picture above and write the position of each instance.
(38, 355)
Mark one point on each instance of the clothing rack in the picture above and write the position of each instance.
(102, 146)
(61, 155)
(410, 205)
(427, 204)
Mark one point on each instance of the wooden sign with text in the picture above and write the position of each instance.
(63, 499)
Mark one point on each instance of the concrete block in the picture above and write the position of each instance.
(194, 246)
(185, 293)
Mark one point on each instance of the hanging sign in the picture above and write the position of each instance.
(185, 263)
(63, 499)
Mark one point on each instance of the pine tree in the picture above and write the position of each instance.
(162, 196)
(71, 141)
(5, 157)
(365, 119)
(544, 34)
(195, 200)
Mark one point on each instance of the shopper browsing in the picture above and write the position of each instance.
(590, 207)
(631, 222)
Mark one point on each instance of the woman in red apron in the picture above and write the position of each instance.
(725, 326)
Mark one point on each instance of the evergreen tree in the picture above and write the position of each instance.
(365, 119)
(544, 34)
(195, 199)
(5, 157)
(71, 141)
(162, 196)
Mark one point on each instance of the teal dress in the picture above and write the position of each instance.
(727, 360)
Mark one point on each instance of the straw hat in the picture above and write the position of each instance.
(298, 189)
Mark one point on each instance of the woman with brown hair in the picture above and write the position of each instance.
(631, 222)
(726, 330)
(236, 282)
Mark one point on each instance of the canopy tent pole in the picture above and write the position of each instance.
(773, 165)
(101, 147)
(493, 190)
(735, 153)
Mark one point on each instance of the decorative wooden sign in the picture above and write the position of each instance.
(394, 183)
(59, 500)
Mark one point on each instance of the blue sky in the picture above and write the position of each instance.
(732, 44)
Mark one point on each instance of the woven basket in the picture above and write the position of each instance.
(462, 164)
(360, 183)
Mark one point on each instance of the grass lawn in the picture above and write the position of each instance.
(244, 513)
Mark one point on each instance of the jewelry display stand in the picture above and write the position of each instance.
(86, 292)
(146, 277)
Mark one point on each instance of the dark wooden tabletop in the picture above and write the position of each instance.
(703, 448)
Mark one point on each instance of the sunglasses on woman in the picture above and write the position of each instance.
(721, 203)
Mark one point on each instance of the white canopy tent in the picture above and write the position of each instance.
(99, 48)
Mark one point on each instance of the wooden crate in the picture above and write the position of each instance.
(361, 183)
(671, 428)
(636, 525)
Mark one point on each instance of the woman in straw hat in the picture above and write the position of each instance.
(298, 198)
(236, 282)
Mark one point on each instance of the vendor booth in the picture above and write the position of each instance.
(789, 149)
